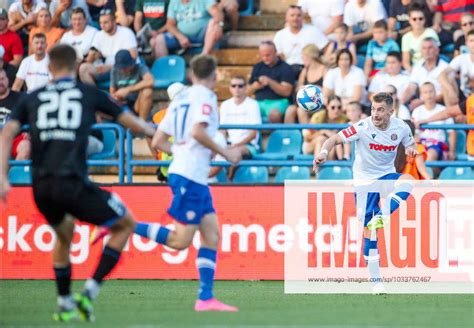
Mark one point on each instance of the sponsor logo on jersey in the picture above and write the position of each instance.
(349, 132)
(378, 147)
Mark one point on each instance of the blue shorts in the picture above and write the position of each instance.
(197, 39)
(191, 200)
(372, 207)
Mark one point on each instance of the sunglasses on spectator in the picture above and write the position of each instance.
(240, 86)
(335, 107)
(105, 11)
(468, 23)
(418, 19)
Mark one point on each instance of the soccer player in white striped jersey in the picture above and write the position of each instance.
(377, 138)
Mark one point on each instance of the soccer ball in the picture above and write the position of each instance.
(310, 98)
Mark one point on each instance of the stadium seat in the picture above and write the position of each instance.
(292, 173)
(109, 140)
(251, 174)
(19, 175)
(247, 11)
(282, 144)
(335, 173)
(222, 176)
(167, 70)
(430, 171)
(303, 157)
(456, 173)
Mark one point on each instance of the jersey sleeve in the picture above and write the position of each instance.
(201, 111)
(408, 139)
(107, 106)
(351, 133)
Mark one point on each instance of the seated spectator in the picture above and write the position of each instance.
(272, 83)
(354, 114)
(21, 145)
(416, 167)
(448, 14)
(400, 110)
(346, 80)
(105, 46)
(326, 15)
(231, 9)
(426, 71)
(149, 22)
(312, 73)
(81, 35)
(341, 42)
(391, 74)
(10, 41)
(43, 25)
(33, 71)
(398, 19)
(132, 84)
(22, 15)
(191, 23)
(467, 25)
(314, 139)
(464, 66)
(434, 140)
(241, 109)
(378, 48)
(10, 70)
(61, 11)
(360, 16)
(291, 40)
(412, 41)
(123, 10)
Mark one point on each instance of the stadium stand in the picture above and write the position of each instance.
(251, 174)
(168, 70)
(456, 173)
(20, 175)
(292, 173)
(335, 173)
(282, 144)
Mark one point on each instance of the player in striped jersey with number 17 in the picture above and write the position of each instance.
(377, 138)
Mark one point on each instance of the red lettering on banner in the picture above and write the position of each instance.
(425, 228)
(206, 109)
(349, 132)
(408, 234)
(379, 147)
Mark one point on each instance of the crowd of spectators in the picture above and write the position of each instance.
(420, 51)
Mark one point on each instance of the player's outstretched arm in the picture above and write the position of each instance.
(8, 133)
(161, 141)
(325, 149)
(411, 151)
(199, 133)
(137, 125)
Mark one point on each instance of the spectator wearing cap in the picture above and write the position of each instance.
(272, 82)
(107, 42)
(10, 41)
(61, 11)
(9, 69)
(191, 22)
(132, 83)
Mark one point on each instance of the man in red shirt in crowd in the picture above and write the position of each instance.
(10, 41)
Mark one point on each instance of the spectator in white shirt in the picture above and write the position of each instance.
(434, 140)
(110, 40)
(81, 35)
(241, 109)
(34, 71)
(22, 14)
(392, 74)
(61, 11)
(360, 16)
(326, 15)
(346, 80)
(426, 71)
(291, 40)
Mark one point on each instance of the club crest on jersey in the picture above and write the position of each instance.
(349, 132)
(394, 137)
(206, 109)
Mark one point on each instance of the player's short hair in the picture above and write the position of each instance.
(396, 55)
(239, 77)
(78, 10)
(343, 26)
(62, 57)
(39, 36)
(203, 66)
(344, 51)
(383, 97)
(381, 24)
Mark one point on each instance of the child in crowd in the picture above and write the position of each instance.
(340, 34)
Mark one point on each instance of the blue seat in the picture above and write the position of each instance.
(335, 173)
(456, 173)
(167, 70)
(248, 11)
(292, 173)
(109, 140)
(461, 145)
(430, 171)
(251, 174)
(282, 144)
(303, 157)
(222, 176)
(20, 175)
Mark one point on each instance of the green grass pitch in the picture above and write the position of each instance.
(151, 303)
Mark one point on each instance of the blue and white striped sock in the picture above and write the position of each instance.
(153, 231)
